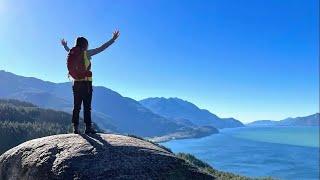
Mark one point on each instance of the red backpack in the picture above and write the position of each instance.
(75, 64)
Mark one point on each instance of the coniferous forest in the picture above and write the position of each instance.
(22, 121)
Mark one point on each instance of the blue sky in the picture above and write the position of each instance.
(248, 59)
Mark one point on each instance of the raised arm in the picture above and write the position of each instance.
(65, 45)
(95, 51)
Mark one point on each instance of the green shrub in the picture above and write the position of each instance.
(191, 159)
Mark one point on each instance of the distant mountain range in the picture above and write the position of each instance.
(188, 113)
(151, 117)
(312, 120)
(111, 111)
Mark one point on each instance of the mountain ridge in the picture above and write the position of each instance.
(310, 120)
(111, 111)
(176, 108)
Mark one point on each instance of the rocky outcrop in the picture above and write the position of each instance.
(100, 156)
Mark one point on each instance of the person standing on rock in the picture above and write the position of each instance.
(79, 67)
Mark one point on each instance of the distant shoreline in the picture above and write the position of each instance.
(176, 136)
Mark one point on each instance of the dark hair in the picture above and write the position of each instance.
(82, 42)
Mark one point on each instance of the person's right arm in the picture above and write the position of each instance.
(65, 45)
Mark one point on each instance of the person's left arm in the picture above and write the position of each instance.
(92, 52)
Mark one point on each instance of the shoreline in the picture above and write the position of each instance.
(175, 136)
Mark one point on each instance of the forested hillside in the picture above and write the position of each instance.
(22, 121)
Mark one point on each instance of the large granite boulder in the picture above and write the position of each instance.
(100, 156)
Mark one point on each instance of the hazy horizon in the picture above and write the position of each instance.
(245, 122)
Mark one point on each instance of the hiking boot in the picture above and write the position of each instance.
(89, 129)
(75, 128)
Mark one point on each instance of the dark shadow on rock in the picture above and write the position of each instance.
(96, 141)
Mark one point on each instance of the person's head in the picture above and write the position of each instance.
(82, 43)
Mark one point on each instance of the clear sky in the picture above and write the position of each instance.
(248, 59)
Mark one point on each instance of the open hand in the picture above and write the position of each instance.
(63, 42)
(115, 34)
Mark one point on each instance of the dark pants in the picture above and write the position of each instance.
(82, 92)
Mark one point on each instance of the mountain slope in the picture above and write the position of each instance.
(22, 121)
(175, 108)
(262, 123)
(312, 120)
(111, 111)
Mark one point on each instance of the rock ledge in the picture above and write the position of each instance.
(100, 156)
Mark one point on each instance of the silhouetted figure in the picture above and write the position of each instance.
(79, 67)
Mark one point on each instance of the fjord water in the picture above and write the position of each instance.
(280, 152)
